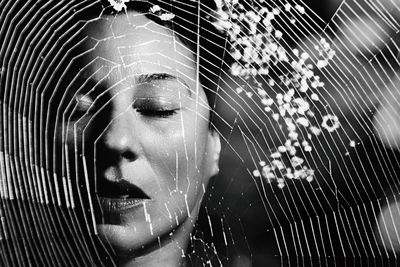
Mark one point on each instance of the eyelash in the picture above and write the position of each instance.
(147, 109)
(153, 112)
(155, 108)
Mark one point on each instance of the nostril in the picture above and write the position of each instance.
(129, 155)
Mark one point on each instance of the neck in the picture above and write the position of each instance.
(170, 251)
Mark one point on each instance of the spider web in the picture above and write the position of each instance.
(306, 108)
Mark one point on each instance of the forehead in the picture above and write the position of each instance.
(134, 44)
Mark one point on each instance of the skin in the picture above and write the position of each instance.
(168, 152)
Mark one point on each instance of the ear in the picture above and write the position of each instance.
(213, 152)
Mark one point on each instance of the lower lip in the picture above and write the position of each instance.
(112, 205)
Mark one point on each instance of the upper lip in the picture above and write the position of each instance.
(121, 189)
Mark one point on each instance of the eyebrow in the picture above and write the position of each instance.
(154, 77)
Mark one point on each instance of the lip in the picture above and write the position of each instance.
(120, 205)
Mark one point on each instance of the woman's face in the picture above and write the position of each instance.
(154, 152)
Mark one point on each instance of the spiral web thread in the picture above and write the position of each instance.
(328, 213)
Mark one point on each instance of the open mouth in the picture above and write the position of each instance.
(117, 197)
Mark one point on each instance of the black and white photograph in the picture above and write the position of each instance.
(200, 133)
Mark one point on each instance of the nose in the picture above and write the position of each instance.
(120, 140)
(118, 146)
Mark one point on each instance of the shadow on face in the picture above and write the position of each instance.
(137, 131)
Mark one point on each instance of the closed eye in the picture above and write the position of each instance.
(156, 107)
(83, 105)
(157, 113)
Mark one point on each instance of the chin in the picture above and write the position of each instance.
(122, 238)
(139, 228)
(128, 229)
(148, 227)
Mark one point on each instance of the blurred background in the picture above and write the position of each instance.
(333, 220)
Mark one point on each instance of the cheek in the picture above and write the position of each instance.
(177, 153)
(74, 132)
